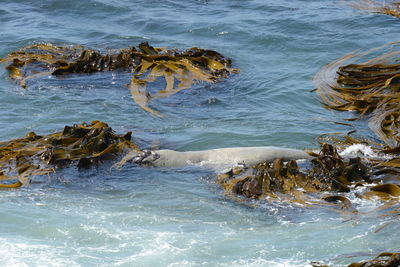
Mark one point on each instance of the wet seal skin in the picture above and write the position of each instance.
(179, 69)
(370, 88)
(325, 182)
(222, 158)
(89, 144)
(259, 172)
(329, 173)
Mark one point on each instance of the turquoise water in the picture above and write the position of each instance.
(179, 217)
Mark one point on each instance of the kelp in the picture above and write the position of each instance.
(391, 8)
(385, 259)
(370, 86)
(324, 183)
(180, 69)
(384, 163)
(382, 260)
(85, 145)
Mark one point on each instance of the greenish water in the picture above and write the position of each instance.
(179, 217)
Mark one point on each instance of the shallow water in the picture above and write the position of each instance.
(174, 217)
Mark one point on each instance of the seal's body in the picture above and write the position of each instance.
(222, 157)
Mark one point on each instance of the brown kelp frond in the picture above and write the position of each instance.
(44, 57)
(385, 259)
(328, 173)
(391, 8)
(85, 144)
(369, 85)
(179, 69)
(325, 183)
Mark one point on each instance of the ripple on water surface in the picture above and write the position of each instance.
(149, 217)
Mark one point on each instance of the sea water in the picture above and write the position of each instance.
(179, 217)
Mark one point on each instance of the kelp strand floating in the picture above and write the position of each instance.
(324, 183)
(85, 145)
(391, 8)
(370, 86)
(386, 259)
(367, 84)
(383, 260)
(179, 69)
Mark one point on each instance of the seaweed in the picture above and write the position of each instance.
(371, 88)
(326, 181)
(322, 184)
(85, 145)
(391, 8)
(180, 69)
(368, 85)
(385, 259)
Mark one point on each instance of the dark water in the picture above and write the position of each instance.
(148, 217)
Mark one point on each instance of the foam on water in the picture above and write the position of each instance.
(357, 149)
(172, 217)
(362, 150)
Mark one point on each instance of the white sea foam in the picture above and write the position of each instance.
(359, 150)
(362, 150)
(22, 254)
(268, 263)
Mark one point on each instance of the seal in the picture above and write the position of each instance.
(220, 158)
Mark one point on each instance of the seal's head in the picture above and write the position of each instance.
(146, 157)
